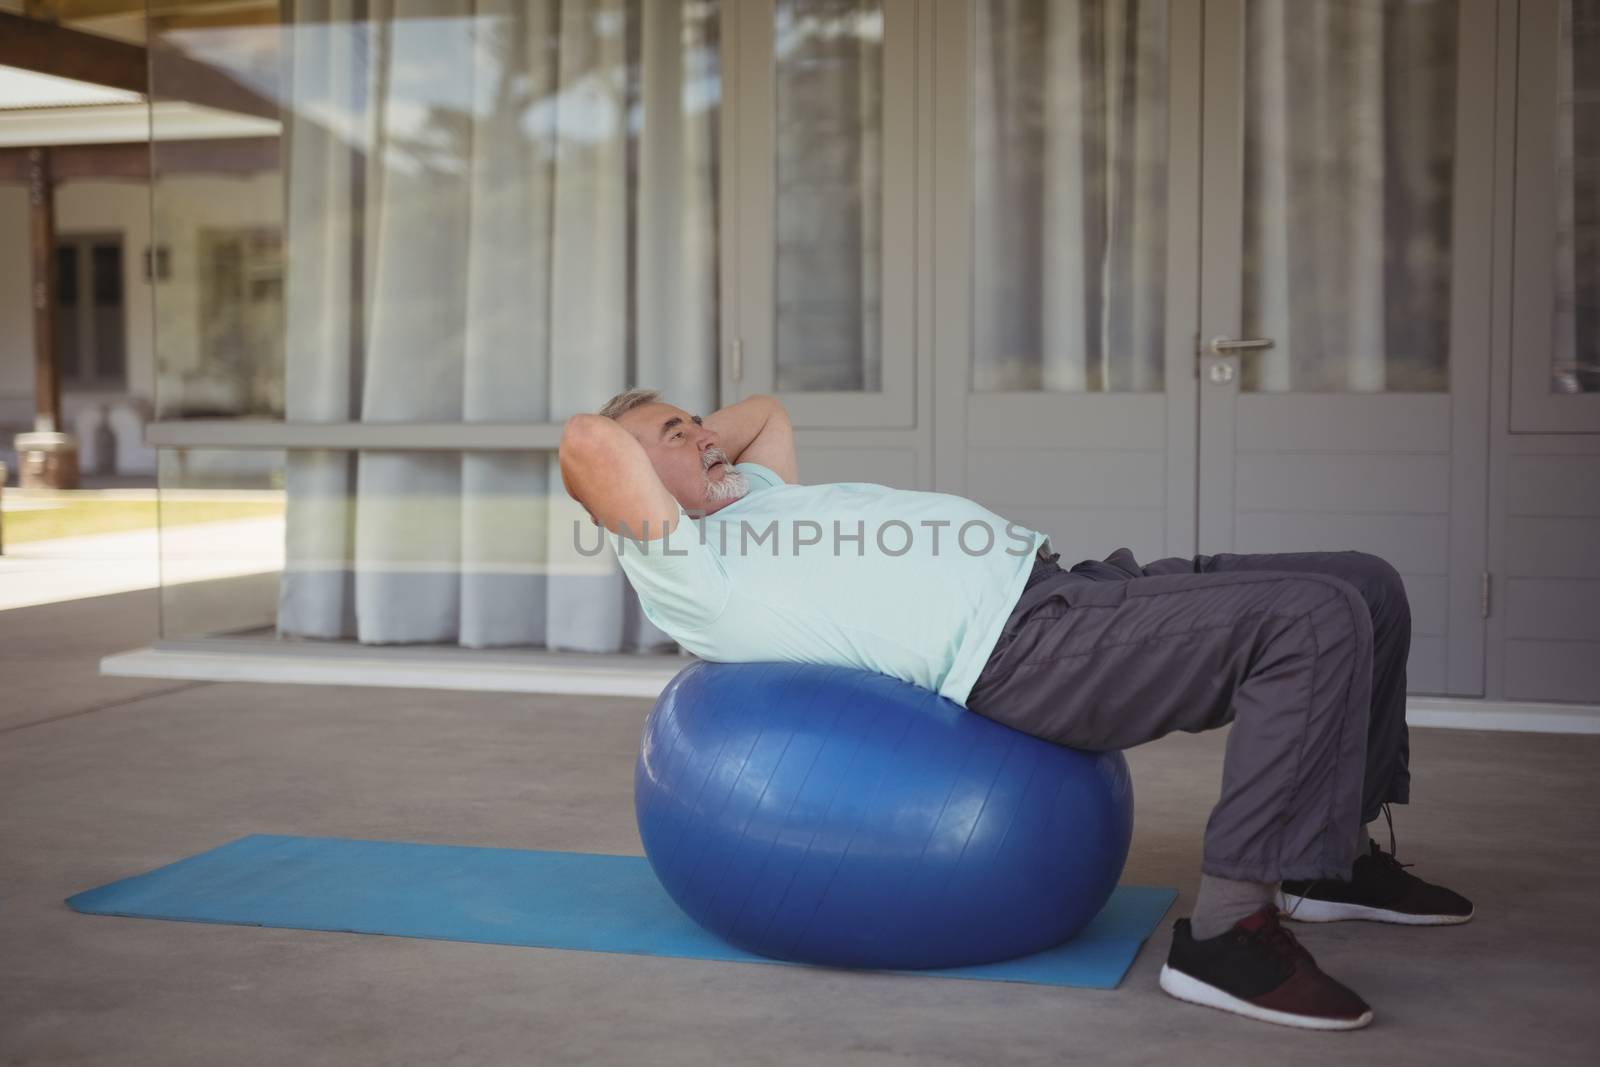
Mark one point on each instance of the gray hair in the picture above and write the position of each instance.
(623, 403)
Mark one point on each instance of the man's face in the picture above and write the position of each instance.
(686, 456)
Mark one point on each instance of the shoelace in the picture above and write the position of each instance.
(1302, 899)
(1274, 937)
(1389, 859)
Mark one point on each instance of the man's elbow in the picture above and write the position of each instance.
(582, 427)
(584, 438)
(771, 402)
(588, 448)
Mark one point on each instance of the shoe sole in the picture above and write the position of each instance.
(1309, 910)
(1185, 987)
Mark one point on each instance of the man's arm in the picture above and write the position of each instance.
(757, 430)
(607, 471)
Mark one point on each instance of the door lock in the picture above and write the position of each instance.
(1221, 372)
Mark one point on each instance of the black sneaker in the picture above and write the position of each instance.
(1258, 969)
(1379, 890)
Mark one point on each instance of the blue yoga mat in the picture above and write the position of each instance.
(570, 900)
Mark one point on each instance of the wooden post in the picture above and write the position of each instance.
(42, 235)
(48, 457)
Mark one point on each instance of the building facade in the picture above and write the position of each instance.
(1232, 276)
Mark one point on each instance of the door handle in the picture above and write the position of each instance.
(1222, 346)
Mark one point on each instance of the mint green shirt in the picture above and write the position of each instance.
(910, 584)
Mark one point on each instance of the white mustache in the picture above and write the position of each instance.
(733, 484)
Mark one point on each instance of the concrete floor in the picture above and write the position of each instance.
(102, 777)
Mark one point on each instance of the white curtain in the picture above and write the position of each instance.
(498, 211)
(828, 135)
(1349, 150)
(1070, 195)
(1349, 143)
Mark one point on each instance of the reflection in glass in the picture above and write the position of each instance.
(109, 340)
(1349, 168)
(91, 336)
(241, 314)
(829, 133)
(245, 552)
(1575, 364)
(469, 211)
(455, 211)
(67, 312)
(1070, 195)
(222, 542)
(217, 157)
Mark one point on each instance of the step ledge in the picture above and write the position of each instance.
(557, 675)
(535, 672)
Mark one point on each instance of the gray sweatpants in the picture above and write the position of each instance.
(1304, 653)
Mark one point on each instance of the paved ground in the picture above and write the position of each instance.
(95, 565)
(100, 778)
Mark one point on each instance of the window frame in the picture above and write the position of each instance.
(89, 377)
(1535, 408)
(749, 282)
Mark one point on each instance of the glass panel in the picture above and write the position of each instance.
(1070, 195)
(431, 213)
(241, 309)
(829, 130)
(107, 259)
(472, 549)
(1575, 366)
(224, 172)
(1349, 175)
(67, 340)
(109, 332)
(110, 346)
(67, 275)
(221, 541)
(437, 212)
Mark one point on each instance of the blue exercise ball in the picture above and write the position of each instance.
(840, 817)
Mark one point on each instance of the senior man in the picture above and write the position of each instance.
(1304, 654)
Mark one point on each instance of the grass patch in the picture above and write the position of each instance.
(75, 518)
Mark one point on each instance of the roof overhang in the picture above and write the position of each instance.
(168, 120)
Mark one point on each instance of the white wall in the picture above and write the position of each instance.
(16, 322)
(184, 206)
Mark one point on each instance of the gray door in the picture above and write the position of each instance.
(1129, 192)
(1067, 193)
(1344, 293)
(1548, 483)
